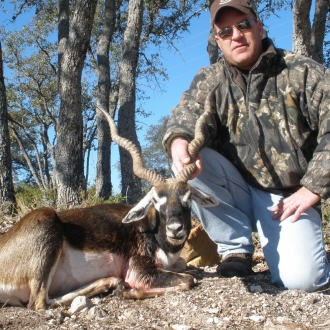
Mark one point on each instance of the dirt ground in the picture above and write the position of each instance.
(214, 303)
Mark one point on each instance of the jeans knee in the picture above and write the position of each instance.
(306, 280)
(299, 283)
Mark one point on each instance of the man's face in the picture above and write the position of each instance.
(242, 48)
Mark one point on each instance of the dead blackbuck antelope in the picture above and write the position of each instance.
(48, 258)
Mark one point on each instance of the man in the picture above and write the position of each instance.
(267, 151)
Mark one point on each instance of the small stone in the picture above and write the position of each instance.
(257, 318)
(180, 327)
(213, 310)
(97, 313)
(84, 310)
(80, 303)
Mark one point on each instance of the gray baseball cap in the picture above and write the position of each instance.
(242, 5)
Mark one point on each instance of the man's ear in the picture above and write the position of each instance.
(260, 27)
(217, 39)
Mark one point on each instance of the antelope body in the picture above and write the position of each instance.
(49, 258)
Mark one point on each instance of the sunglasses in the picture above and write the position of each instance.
(242, 26)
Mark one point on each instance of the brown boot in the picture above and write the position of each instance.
(236, 264)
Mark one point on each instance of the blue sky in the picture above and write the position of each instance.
(183, 64)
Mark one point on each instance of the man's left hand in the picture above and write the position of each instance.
(295, 204)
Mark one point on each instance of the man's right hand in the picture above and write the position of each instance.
(181, 157)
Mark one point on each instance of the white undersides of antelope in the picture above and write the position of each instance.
(48, 258)
(79, 272)
(76, 269)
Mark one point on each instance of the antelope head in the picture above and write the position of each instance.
(171, 198)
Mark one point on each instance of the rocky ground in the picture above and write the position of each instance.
(214, 303)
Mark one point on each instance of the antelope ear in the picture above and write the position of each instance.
(140, 210)
(202, 198)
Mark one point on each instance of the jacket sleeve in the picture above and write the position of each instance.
(317, 176)
(184, 115)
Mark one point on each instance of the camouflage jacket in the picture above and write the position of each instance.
(273, 123)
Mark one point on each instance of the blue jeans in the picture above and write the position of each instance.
(294, 252)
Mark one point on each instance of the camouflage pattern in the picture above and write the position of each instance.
(275, 127)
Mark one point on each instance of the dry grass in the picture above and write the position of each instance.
(326, 221)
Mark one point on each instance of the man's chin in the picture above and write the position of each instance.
(243, 62)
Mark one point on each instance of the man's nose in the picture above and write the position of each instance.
(236, 33)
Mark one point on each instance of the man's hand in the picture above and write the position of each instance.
(295, 204)
(181, 157)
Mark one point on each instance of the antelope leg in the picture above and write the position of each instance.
(100, 286)
(140, 294)
(159, 283)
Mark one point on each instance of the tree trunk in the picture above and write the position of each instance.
(33, 170)
(7, 197)
(131, 185)
(45, 154)
(322, 8)
(69, 149)
(103, 167)
(63, 26)
(301, 27)
(212, 46)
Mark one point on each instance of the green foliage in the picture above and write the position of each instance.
(92, 199)
(7, 209)
(326, 221)
(30, 197)
(326, 211)
(154, 155)
(32, 97)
